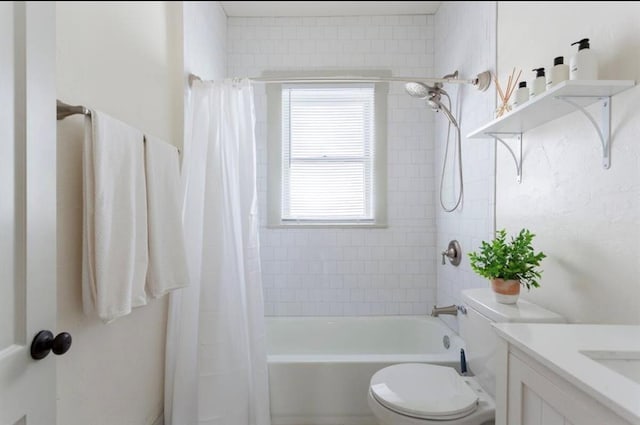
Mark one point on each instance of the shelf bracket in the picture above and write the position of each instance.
(604, 129)
(517, 156)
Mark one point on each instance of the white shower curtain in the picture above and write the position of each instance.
(216, 367)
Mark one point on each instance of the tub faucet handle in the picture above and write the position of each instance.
(453, 252)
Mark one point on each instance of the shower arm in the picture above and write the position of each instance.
(481, 82)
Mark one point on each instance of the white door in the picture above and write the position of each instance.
(27, 210)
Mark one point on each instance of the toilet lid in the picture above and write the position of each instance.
(424, 391)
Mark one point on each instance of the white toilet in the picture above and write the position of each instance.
(423, 394)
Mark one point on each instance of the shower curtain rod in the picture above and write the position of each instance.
(480, 80)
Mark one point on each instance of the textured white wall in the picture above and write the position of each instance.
(124, 59)
(587, 219)
(465, 40)
(205, 39)
(350, 271)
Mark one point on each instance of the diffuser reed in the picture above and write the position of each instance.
(504, 105)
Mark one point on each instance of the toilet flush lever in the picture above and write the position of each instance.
(453, 252)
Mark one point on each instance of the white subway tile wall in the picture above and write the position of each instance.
(465, 40)
(351, 271)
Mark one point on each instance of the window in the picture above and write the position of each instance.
(326, 155)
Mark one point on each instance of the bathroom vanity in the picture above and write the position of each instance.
(567, 374)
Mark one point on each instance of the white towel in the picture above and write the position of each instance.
(167, 258)
(115, 255)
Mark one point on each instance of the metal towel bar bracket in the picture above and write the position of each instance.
(64, 110)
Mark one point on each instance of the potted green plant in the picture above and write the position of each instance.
(509, 264)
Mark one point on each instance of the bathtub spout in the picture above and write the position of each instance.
(451, 309)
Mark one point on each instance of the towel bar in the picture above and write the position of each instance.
(63, 110)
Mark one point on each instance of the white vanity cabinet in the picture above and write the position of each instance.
(532, 390)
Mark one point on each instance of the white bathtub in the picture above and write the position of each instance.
(320, 367)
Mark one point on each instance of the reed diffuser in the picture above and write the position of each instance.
(504, 105)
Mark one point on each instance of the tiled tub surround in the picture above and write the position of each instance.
(349, 271)
(465, 39)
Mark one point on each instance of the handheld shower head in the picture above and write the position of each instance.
(431, 94)
(435, 99)
(418, 90)
(448, 113)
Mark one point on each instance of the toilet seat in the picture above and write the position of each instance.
(424, 391)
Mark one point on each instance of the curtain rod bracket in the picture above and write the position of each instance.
(193, 78)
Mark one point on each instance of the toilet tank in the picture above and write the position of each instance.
(479, 336)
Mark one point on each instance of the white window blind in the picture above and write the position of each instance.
(328, 153)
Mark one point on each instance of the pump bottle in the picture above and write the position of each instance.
(539, 84)
(559, 72)
(583, 65)
(522, 94)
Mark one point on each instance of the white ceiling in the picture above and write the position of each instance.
(328, 8)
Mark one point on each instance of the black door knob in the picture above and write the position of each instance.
(45, 342)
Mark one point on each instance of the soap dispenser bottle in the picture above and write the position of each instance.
(583, 65)
(538, 85)
(522, 94)
(559, 72)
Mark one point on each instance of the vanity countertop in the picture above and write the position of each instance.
(562, 348)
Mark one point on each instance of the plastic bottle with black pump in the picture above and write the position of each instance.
(539, 84)
(583, 65)
(522, 94)
(559, 72)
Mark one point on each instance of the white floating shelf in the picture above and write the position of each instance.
(547, 107)
(564, 98)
